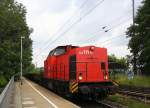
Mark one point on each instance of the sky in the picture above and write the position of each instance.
(78, 22)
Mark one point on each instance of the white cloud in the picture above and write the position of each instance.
(47, 16)
(119, 51)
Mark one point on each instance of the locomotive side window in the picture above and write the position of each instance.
(59, 51)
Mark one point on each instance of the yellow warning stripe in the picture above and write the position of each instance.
(73, 86)
(72, 83)
(75, 90)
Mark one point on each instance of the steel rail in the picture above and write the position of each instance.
(110, 104)
(142, 96)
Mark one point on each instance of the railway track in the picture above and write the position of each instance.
(110, 104)
(133, 88)
(84, 103)
(142, 94)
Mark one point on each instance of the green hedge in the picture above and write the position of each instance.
(143, 81)
(3, 81)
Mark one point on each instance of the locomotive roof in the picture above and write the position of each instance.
(67, 46)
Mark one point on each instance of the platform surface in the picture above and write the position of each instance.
(32, 95)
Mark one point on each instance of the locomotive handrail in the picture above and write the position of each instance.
(85, 62)
(5, 95)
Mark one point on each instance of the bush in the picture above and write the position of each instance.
(122, 79)
(3, 81)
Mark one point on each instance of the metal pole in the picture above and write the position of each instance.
(133, 11)
(21, 62)
(134, 55)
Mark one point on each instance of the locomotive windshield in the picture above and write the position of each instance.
(51, 53)
(59, 51)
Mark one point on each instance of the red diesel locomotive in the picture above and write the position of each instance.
(78, 70)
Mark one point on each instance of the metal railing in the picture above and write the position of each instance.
(6, 93)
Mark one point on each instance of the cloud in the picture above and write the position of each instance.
(119, 51)
(47, 16)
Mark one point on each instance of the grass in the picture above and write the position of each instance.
(127, 101)
(139, 81)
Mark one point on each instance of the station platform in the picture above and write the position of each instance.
(32, 95)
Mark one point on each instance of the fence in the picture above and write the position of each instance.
(5, 95)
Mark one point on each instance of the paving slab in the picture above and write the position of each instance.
(32, 95)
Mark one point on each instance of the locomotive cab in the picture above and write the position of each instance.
(89, 68)
(89, 64)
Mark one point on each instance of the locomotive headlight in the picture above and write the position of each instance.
(80, 76)
(106, 77)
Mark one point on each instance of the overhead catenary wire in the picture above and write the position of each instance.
(112, 38)
(81, 19)
(69, 28)
(115, 26)
(66, 22)
(62, 26)
(105, 27)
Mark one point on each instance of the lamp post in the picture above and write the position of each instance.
(21, 61)
(134, 54)
(133, 9)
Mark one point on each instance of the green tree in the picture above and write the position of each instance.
(12, 26)
(139, 35)
(117, 63)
